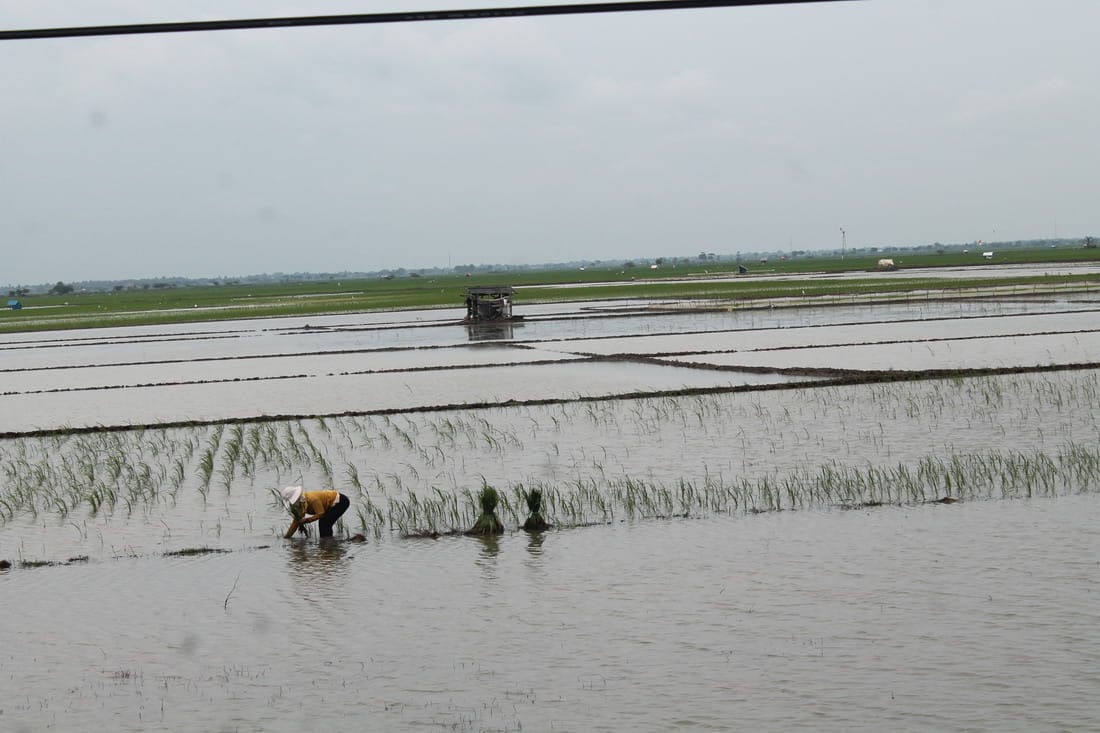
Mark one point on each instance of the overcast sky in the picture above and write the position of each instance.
(535, 140)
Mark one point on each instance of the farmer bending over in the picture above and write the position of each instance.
(324, 507)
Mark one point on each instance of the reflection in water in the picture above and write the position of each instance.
(322, 563)
(490, 330)
(534, 560)
(487, 558)
(534, 543)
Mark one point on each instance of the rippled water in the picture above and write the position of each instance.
(977, 617)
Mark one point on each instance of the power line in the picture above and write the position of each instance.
(372, 18)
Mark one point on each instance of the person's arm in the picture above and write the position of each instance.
(301, 523)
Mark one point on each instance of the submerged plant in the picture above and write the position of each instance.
(487, 523)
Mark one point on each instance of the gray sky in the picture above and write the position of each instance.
(538, 139)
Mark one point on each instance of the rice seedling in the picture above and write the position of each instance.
(411, 469)
(352, 474)
(961, 476)
(370, 516)
(595, 462)
(206, 469)
(406, 438)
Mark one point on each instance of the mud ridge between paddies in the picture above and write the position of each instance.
(515, 343)
(813, 378)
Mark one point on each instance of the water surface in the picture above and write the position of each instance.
(975, 616)
(961, 618)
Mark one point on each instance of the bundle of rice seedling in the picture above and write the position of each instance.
(487, 523)
(534, 521)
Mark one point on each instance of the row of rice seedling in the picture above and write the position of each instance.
(592, 461)
(994, 475)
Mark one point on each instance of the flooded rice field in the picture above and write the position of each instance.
(747, 533)
(353, 364)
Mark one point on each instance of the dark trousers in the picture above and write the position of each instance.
(331, 514)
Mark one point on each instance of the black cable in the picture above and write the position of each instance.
(397, 17)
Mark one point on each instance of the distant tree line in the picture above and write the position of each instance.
(62, 288)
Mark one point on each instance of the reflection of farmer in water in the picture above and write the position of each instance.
(324, 507)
